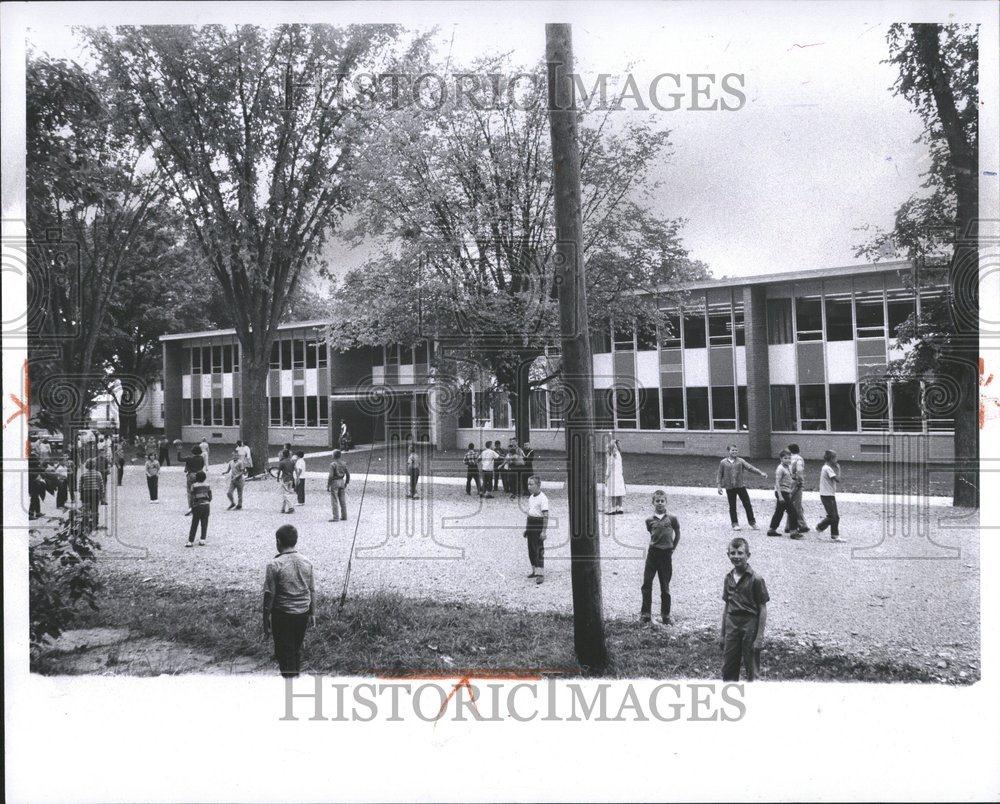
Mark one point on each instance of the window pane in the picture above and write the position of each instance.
(694, 329)
(310, 354)
(901, 307)
(603, 416)
(812, 407)
(906, 412)
(720, 325)
(421, 350)
(743, 419)
(227, 412)
(839, 326)
(217, 411)
(600, 339)
(236, 411)
(870, 315)
(195, 361)
(625, 407)
(206, 360)
(649, 409)
(275, 362)
(670, 331)
(406, 355)
(298, 354)
(324, 411)
(673, 408)
(783, 417)
(286, 354)
(739, 330)
(779, 321)
(623, 335)
(186, 412)
(808, 319)
(227, 359)
(465, 412)
(286, 411)
(217, 359)
(195, 411)
(275, 402)
(873, 401)
(724, 407)
(236, 357)
(843, 416)
(378, 355)
(312, 419)
(697, 408)
(645, 336)
(321, 354)
(300, 410)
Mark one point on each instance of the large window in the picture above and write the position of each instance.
(743, 419)
(869, 314)
(236, 411)
(720, 325)
(420, 356)
(907, 416)
(873, 401)
(501, 411)
(808, 319)
(227, 412)
(670, 331)
(286, 411)
(195, 360)
(697, 408)
(783, 415)
(779, 321)
(275, 359)
(406, 355)
(604, 418)
(227, 359)
(312, 412)
(392, 354)
(299, 410)
(600, 339)
(206, 360)
(206, 411)
(645, 336)
(694, 329)
(649, 409)
(624, 333)
(673, 408)
(625, 408)
(216, 359)
(900, 306)
(298, 354)
(321, 354)
(739, 329)
(812, 407)
(311, 354)
(186, 412)
(723, 407)
(843, 411)
(324, 411)
(275, 403)
(839, 321)
(378, 355)
(465, 412)
(286, 354)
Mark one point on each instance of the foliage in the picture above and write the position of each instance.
(61, 576)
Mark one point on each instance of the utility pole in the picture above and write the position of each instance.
(577, 365)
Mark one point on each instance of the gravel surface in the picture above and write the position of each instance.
(882, 586)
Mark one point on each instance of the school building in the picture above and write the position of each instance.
(757, 361)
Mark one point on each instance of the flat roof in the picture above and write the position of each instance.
(794, 276)
(214, 333)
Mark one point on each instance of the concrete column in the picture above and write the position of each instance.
(758, 374)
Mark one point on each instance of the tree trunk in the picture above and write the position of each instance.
(127, 423)
(585, 552)
(254, 413)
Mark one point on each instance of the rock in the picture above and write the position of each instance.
(962, 674)
(942, 664)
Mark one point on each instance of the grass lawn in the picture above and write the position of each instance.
(388, 635)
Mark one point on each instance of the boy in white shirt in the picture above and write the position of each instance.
(300, 476)
(486, 459)
(534, 530)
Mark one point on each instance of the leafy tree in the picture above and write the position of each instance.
(256, 130)
(461, 195)
(937, 228)
(89, 205)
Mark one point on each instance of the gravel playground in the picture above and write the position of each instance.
(882, 587)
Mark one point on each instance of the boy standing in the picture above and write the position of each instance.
(300, 476)
(204, 451)
(201, 499)
(743, 616)
(236, 469)
(153, 477)
(664, 536)
(192, 465)
(413, 470)
(730, 478)
(829, 477)
(534, 529)
(486, 459)
(472, 470)
(336, 484)
(784, 487)
(289, 601)
(286, 481)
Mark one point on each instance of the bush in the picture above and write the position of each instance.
(61, 576)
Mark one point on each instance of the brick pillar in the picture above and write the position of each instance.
(173, 354)
(758, 374)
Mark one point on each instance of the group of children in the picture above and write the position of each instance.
(789, 480)
(495, 468)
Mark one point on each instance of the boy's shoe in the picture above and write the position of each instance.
(187, 513)
(532, 574)
(238, 508)
(772, 532)
(645, 619)
(736, 527)
(231, 506)
(753, 526)
(202, 543)
(189, 544)
(804, 529)
(835, 538)
(539, 578)
(796, 535)
(667, 621)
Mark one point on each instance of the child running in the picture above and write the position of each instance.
(534, 529)
(730, 478)
(743, 616)
(829, 477)
(664, 536)
(201, 499)
(784, 487)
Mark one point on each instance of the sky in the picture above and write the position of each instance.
(820, 149)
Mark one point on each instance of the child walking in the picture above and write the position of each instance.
(730, 478)
(784, 487)
(829, 477)
(744, 614)
(236, 469)
(534, 529)
(664, 536)
(201, 499)
(153, 477)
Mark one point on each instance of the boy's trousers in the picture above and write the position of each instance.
(741, 631)
(536, 545)
(659, 563)
(784, 505)
(288, 631)
(744, 497)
